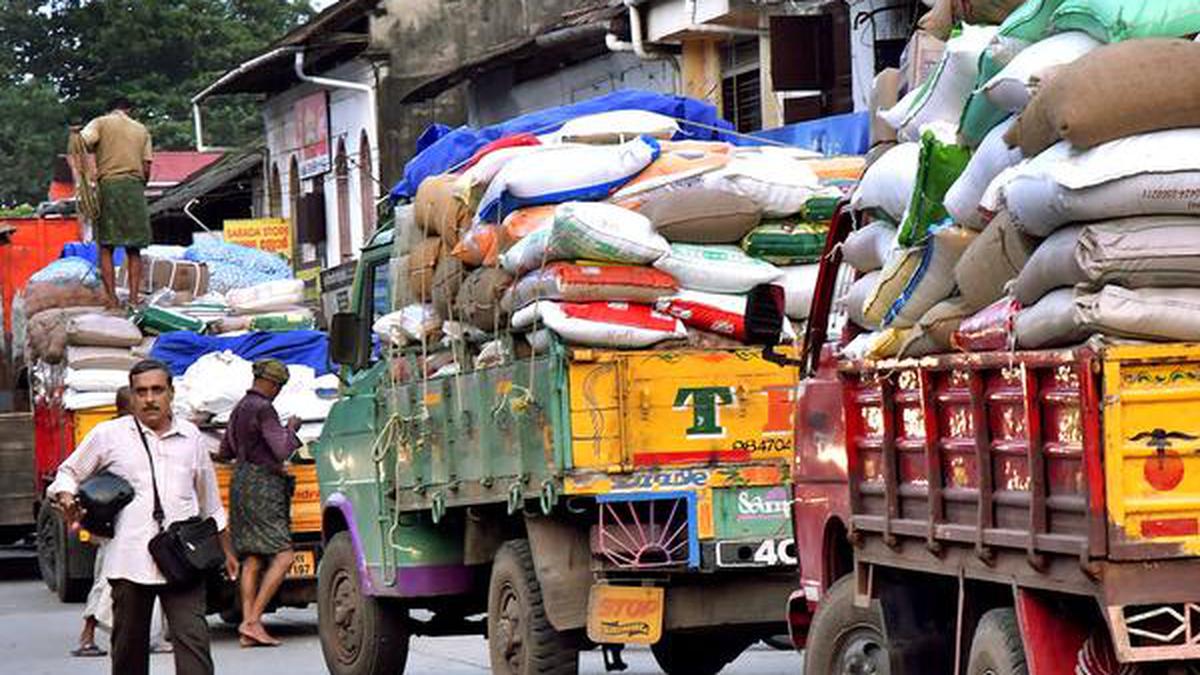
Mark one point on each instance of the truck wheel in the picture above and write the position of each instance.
(701, 653)
(52, 559)
(521, 640)
(49, 531)
(996, 648)
(845, 639)
(360, 635)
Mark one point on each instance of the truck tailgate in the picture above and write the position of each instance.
(16, 469)
(646, 409)
(1151, 439)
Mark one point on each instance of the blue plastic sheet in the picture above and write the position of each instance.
(458, 145)
(303, 347)
(91, 252)
(848, 134)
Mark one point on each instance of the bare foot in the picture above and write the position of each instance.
(258, 633)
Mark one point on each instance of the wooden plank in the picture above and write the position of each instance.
(702, 70)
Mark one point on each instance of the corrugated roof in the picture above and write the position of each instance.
(231, 167)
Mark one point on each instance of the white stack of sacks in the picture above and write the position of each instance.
(607, 234)
(1055, 127)
(98, 356)
(210, 388)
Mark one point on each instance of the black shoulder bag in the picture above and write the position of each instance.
(186, 551)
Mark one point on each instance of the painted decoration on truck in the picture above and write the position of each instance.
(686, 408)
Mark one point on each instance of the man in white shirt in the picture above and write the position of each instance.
(187, 486)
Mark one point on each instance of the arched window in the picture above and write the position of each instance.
(366, 185)
(275, 193)
(341, 170)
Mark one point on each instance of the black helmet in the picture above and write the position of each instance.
(102, 497)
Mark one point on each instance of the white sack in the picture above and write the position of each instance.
(866, 249)
(601, 324)
(798, 283)
(96, 379)
(617, 126)
(887, 185)
(1011, 88)
(777, 183)
(1067, 316)
(267, 296)
(992, 157)
(716, 268)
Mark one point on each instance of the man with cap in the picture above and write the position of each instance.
(260, 495)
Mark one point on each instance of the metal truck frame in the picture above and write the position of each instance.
(1023, 512)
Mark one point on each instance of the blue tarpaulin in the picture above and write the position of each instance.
(458, 145)
(304, 347)
(848, 134)
(90, 252)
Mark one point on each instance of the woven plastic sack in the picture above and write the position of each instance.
(798, 284)
(602, 324)
(101, 330)
(787, 243)
(564, 173)
(993, 156)
(942, 97)
(933, 331)
(778, 183)
(992, 260)
(887, 185)
(102, 358)
(617, 126)
(866, 249)
(235, 266)
(1143, 252)
(96, 379)
(702, 216)
(1149, 174)
(855, 300)
(1066, 316)
(266, 297)
(711, 312)
(989, 329)
(595, 231)
(479, 246)
(1117, 20)
(475, 176)
(278, 322)
(939, 166)
(571, 282)
(933, 279)
(67, 271)
(1009, 90)
(672, 171)
(716, 268)
(524, 222)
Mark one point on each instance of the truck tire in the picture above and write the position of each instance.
(360, 635)
(845, 639)
(996, 648)
(53, 560)
(49, 531)
(699, 653)
(521, 640)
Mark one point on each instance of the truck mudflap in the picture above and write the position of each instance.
(1151, 444)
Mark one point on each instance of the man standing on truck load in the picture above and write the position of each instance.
(187, 485)
(123, 155)
(260, 495)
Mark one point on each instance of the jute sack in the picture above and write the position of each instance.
(479, 298)
(1066, 316)
(439, 211)
(1115, 91)
(702, 216)
(995, 258)
(938, 20)
(1140, 252)
(422, 261)
(447, 278)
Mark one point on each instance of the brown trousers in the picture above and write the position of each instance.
(133, 605)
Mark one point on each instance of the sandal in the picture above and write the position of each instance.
(89, 650)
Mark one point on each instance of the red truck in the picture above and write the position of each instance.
(1002, 513)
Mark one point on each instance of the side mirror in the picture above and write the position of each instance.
(344, 338)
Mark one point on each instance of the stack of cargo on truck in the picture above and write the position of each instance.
(1003, 341)
(209, 310)
(556, 412)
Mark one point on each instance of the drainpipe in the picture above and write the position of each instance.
(637, 32)
(236, 72)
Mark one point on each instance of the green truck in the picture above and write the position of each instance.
(575, 498)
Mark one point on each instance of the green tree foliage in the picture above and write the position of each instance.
(65, 59)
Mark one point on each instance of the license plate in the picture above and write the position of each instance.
(625, 614)
(303, 565)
